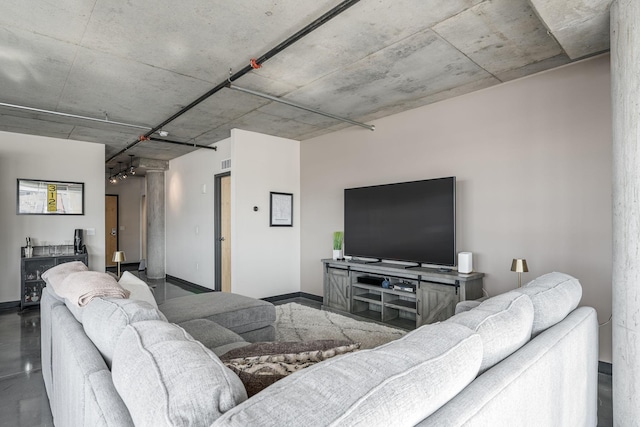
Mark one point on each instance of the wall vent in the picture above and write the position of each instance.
(226, 164)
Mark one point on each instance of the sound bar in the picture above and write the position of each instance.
(370, 280)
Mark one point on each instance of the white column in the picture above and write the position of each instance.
(625, 92)
(155, 225)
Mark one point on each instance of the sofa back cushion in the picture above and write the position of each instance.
(401, 381)
(554, 296)
(104, 319)
(166, 378)
(504, 322)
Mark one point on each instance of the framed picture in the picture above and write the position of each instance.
(281, 213)
(38, 197)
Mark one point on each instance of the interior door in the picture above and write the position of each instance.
(225, 233)
(110, 228)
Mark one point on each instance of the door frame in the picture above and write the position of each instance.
(217, 247)
(106, 232)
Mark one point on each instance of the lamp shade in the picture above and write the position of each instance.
(519, 265)
(118, 256)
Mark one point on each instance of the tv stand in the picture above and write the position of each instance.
(435, 297)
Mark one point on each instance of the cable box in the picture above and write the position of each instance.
(370, 280)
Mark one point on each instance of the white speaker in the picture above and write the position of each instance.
(465, 262)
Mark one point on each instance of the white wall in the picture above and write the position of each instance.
(36, 157)
(190, 212)
(265, 260)
(130, 193)
(533, 164)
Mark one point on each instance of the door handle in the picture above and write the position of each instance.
(222, 239)
(113, 232)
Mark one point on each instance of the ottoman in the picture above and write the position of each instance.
(252, 319)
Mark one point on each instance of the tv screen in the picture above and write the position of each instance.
(409, 221)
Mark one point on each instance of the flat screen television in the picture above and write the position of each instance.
(409, 221)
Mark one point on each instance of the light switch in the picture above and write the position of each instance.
(122, 228)
(91, 231)
(204, 188)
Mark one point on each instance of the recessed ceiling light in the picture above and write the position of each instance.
(163, 133)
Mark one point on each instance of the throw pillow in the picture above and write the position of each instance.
(259, 365)
(56, 275)
(139, 289)
(83, 286)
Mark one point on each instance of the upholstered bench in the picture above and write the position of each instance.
(252, 319)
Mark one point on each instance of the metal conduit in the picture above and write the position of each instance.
(168, 141)
(74, 116)
(302, 107)
(279, 48)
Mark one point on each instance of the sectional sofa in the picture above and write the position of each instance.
(526, 357)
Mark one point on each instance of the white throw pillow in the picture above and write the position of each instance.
(139, 289)
(56, 275)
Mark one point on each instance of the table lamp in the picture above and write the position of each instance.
(519, 265)
(118, 256)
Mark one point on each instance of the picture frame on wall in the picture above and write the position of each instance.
(281, 209)
(44, 197)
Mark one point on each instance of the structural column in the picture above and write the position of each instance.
(155, 225)
(625, 92)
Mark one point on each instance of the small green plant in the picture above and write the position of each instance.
(338, 237)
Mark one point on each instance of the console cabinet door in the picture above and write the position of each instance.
(436, 302)
(336, 289)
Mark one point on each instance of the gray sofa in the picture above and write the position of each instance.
(527, 357)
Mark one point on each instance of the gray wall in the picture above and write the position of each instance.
(37, 157)
(533, 162)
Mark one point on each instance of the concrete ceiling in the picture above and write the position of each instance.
(139, 62)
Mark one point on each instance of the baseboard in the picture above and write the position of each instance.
(9, 305)
(604, 368)
(186, 285)
(293, 295)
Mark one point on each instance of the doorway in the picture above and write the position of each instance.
(222, 211)
(110, 228)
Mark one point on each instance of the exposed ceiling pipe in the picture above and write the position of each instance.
(302, 107)
(187, 144)
(279, 48)
(74, 116)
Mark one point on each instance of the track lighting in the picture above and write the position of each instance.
(132, 171)
(112, 178)
(121, 174)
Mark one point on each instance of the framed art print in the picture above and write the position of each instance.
(281, 212)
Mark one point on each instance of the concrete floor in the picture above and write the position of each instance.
(23, 400)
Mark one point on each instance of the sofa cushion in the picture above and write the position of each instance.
(504, 323)
(554, 296)
(166, 378)
(401, 381)
(236, 312)
(213, 336)
(466, 305)
(261, 364)
(104, 319)
(138, 289)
